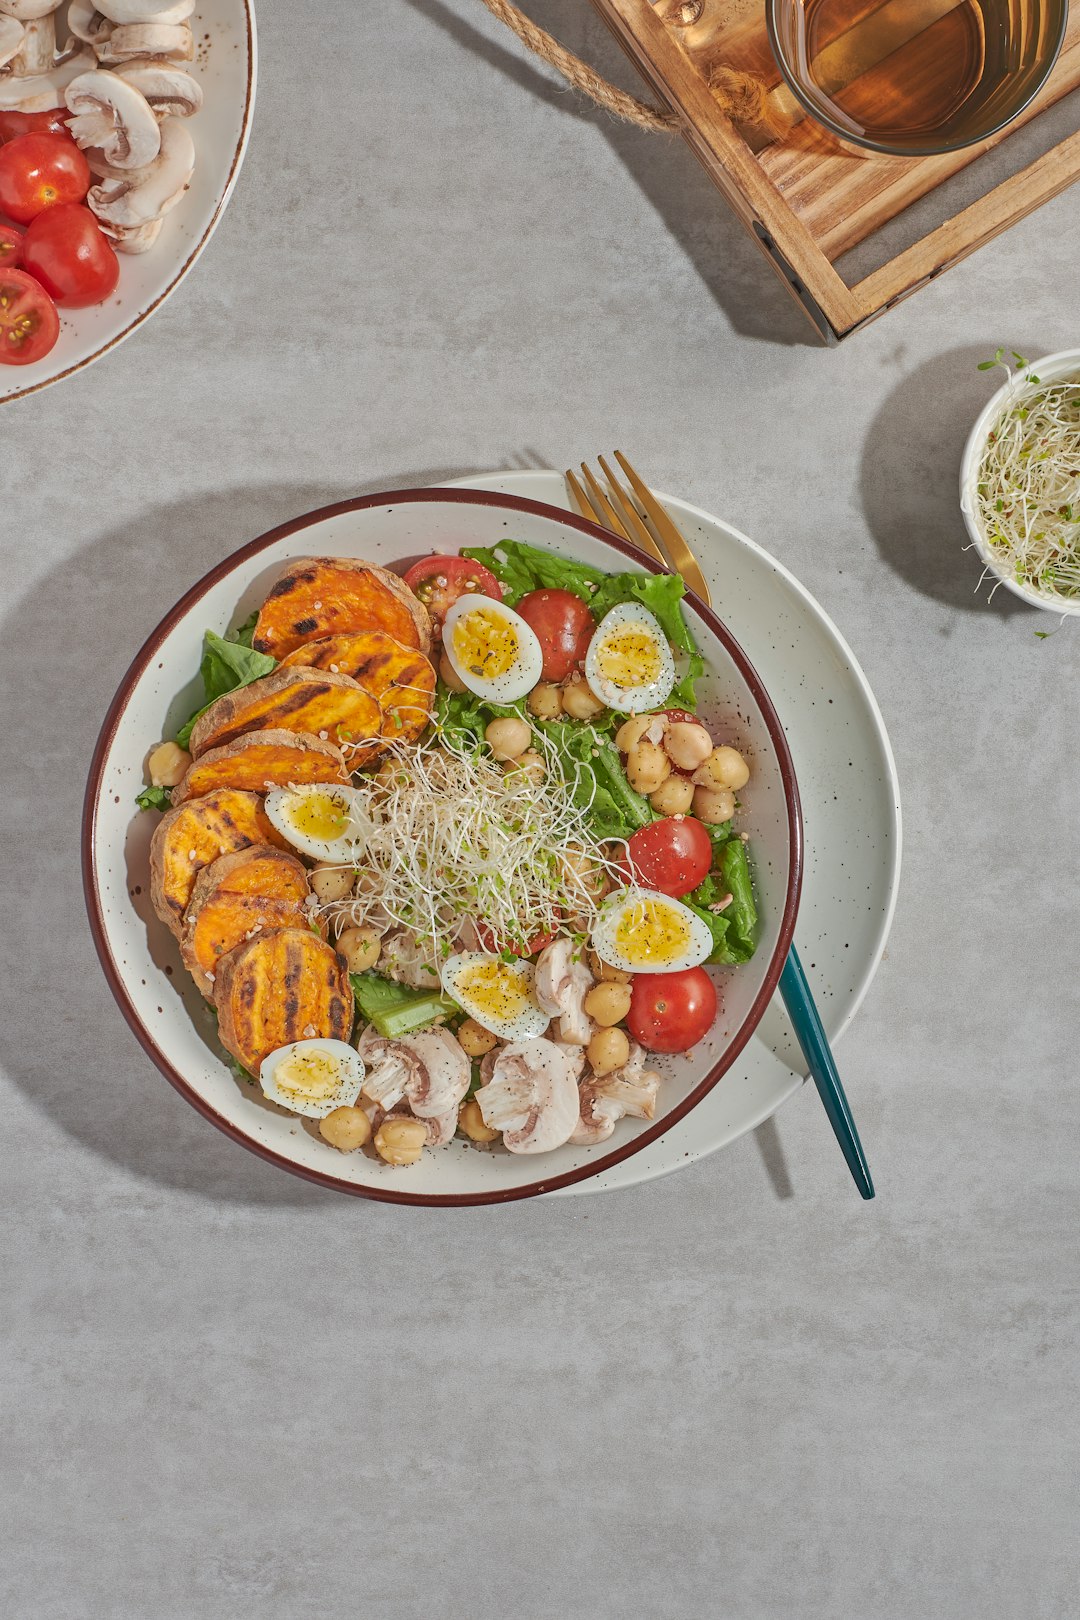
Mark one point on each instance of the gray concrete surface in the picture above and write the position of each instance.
(736, 1393)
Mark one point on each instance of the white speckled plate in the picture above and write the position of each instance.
(851, 813)
(224, 64)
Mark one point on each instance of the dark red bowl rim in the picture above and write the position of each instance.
(149, 650)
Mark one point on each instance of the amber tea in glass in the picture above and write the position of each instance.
(913, 77)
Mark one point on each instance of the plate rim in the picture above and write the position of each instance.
(88, 840)
(197, 250)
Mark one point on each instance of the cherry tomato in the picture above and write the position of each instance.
(531, 947)
(673, 855)
(69, 254)
(564, 627)
(36, 123)
(29, 324)
(670, 1012)
(38, 172)
(438, 581)
(11, 246)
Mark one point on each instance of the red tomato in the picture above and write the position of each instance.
(531, 947)
(11, 246)
(670, 1012)
(67, 251)
(38, 172)
(564, 627)
(14, 123)
(673, 855)
(29, 324)
(438, 581)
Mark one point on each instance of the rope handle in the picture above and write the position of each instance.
(742, 96)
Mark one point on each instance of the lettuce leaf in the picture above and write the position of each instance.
(154, 798)
(521, 568)
(591, 760)
(228, 662)
(733, 929)
(396, 1009)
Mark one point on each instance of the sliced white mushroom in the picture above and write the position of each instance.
(171, 42)
(170, 91)
(11, 35)
(530, 1095)
(87, 23)
(562, 982)
(133, 238)
(37, 51)
(608, 1098)
(28, 10)
(112, 115)
(147, 11)
(427, 1070)
(41, 92)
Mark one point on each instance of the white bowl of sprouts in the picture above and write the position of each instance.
(1020, 480)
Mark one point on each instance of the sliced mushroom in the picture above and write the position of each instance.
(147, 11)
(170, 91)
(11, 36)
(608, 1098)
(38, 53)
(562, 983)
(87, 23)
(112, 115)
(41, 92)
(530, 1095)
(146, 194)
(427, 1070)
(28, 10)
(133, 238)
(170, 42)
(405, 960)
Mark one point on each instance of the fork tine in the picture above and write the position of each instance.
(682, 558)
(606, 514)
(632, 521)
(584, 505)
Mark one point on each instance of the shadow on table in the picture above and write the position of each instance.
(719, 250)
(909, 481)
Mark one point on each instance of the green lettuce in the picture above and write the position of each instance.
(397, 1009)
(228, 662)
(154, 798)
(734, 929)
(591, 762)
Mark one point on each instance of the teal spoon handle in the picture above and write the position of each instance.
(810, 1032)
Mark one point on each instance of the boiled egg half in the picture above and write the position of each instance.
(641, 931)
(312, 1077)
(629, 662)
(491, 649)
(498, 994)
(318, 819)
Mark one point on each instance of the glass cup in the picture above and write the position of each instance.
(915, 77)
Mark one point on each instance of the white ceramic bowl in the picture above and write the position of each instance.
(1052, 367)
(140, 956)
(225, 65)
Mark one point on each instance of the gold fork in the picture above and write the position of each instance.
(629, 523)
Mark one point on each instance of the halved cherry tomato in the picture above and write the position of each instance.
(539, 942)
(69, 254)
(14, 123)
(11, 246)
(670, 1012)
(673, 855)
(38, 172)
(564, 627)
(438, 582)
(29, 324)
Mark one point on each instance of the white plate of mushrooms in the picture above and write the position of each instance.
(161, 93)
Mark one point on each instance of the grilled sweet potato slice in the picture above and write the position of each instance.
(278, 988)
(321, 596)
(252, 891)
(316, 701)
(401, 679)
(188, 838)
(261, 760)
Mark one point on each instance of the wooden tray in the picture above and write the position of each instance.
(807, 198)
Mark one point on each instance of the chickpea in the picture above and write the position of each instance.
(360, 946)
(530, 764)
(714, 804)
(631, 731)
(647, 766)
(724, 768)
(688, 745)
(673, 797)
(168, 764)
(581, 872)
(545, 701)
(471, 1121)
(331, 881)
(400, 1140)
(508, 739)
(580, 701)
(346, 1129)
(474, 1039)
(608, 1050)
(449, 674)
(606, 973)
(608, 1003)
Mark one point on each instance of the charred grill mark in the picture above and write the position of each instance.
(304, 627)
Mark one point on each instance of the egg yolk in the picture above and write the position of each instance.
(629, 656)
(319, 815)
(496, 989)
(486, 643)
(649, 932)
(308, 1076)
